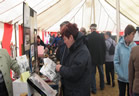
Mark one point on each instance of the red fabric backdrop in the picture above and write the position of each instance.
(7, 36)
(137, 42)
(20, 39)
(55, 33)
(121, 33)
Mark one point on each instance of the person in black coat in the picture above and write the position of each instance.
(96, 46)
(76, 70)
(62, 49)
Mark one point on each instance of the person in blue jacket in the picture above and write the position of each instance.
(56, 40)
(121, 58)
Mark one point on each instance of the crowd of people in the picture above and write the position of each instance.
(85, 53)
(79, 55)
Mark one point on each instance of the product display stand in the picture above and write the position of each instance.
(41, 86)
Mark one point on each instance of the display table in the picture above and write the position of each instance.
(40, 86)
(35, 86)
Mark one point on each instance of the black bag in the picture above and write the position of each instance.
(111, 49)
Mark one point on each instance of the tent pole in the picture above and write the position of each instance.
(91, 12)
(82, 14)
(118, 18)
(15, 25)
(94, 11)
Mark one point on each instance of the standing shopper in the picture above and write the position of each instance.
(121, 59)
(6, 63)
(97, 48)
(134, 72)
(62, 49)
(76, 69)
(109, 65)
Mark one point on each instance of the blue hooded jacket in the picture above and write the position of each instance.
(121, 59)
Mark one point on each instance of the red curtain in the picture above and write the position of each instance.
(7, 36)
(20, 39)
(46, 34)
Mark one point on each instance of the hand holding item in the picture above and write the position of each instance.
(16, 75)
(58, 67)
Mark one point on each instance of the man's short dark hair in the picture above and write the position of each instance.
(63, 23)
(93, 25)
(108, 33)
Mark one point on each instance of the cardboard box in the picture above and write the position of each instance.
(19, 88)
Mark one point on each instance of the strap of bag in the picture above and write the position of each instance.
(110, 43)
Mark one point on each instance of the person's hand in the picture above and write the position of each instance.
(16, 76)
(58, 67)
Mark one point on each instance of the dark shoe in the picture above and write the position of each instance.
(108, 84)
(94, 92)
(102, 88)
(113, 84)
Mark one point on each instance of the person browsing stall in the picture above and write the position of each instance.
(76, 70)
(7, 63)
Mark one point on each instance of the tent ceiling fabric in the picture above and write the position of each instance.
(55, 13)
(50, 13)
(12, 10)
(130, 8)
(70, 16)
(82, 15)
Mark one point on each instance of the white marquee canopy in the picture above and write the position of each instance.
(50, 13)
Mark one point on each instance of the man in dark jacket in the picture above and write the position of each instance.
(96, 46)
(62, 50)
(76, 71)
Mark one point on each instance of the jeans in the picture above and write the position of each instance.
(122, 88)
(101, 75)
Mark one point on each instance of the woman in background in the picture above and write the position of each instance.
(121, 58)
